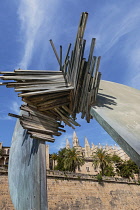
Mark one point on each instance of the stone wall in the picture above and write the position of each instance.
(67, 191)
(5, 200)
(84, 192)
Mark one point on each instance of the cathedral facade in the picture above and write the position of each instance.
(87, 152)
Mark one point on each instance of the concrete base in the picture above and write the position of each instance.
(118, 112)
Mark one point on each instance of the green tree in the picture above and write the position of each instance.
(127, 169)
(54, 157)
(72, 161)
(116, 162)
(116, 159)
(113, 164)
(124, 169)
(68, 160)
(109, 170)
(60, 160)
(101, 160)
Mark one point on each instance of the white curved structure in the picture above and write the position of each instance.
(118, 112)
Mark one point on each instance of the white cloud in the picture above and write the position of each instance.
(61, 144)
(133, 64)
(34, 16)
(115, 21)
(11, 107)
(31, 17)
(5, 117)
(15, 107)
(120, 23)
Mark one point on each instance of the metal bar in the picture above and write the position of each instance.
(67, 54)
(55, 52)
(60, 58)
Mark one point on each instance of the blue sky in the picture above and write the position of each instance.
(26, 27)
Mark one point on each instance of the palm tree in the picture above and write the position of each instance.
(54, 157)
(60, 159)
(72, 161)
(101, 160)
(68, 160)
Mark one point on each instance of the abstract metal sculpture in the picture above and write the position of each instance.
(50, 97)
(54, 96)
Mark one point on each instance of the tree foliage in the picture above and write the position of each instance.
(54, 157)
(72, 161)
(68, 160)
(111, 165)
(127, 169)
(109, 171)
(101, 160)
(60, 160)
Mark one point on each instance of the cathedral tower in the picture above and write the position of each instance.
(75, 140)
(67, 144)
(87, 148)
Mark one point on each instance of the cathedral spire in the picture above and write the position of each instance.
(86, 142)
(93, 146)
(75, 140)
(67, 144)
(87, 148)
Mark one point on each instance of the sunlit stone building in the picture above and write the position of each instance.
(87, 152)
(4, 155)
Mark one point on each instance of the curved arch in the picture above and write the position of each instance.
(118, 111)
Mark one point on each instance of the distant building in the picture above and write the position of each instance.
(87, 152)
(4, 155)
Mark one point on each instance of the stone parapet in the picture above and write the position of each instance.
(78, 176)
